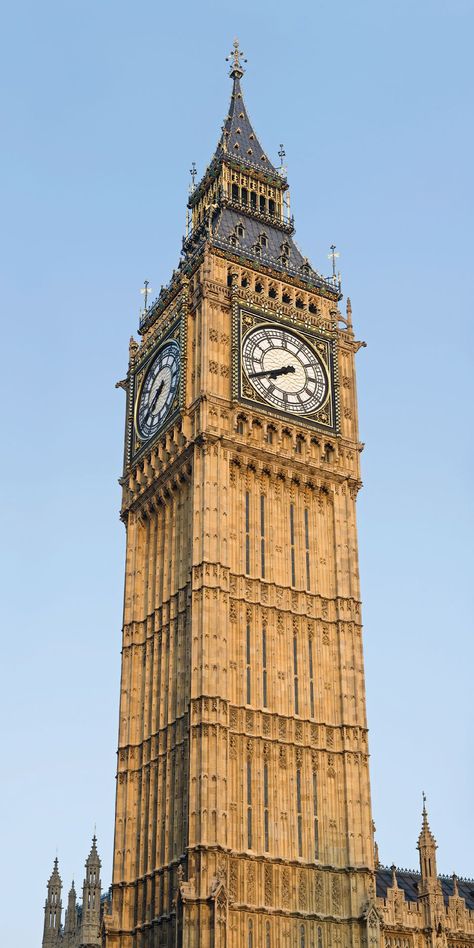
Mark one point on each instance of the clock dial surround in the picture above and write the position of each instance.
(157, 391)
(284, 369)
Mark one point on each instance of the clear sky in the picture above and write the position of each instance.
(105, 106)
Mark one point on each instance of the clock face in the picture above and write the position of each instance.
(284, 370)
(158, 391)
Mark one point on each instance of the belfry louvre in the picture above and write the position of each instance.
(243, 813)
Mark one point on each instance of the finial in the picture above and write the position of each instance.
(333, 256)
(193, 173)
(236, 68)
(145, 290)
(423, 794)
(455, 885)
(281, 155)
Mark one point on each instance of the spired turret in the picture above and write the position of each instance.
(70, 924)
(53, 909)
(91, 890)
(427, 847)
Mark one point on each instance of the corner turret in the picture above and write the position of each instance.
(427, 847)
(91, 890)
(53, 909)
(70, 922)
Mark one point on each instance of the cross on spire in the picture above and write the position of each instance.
(236, 58)
(193, 173)
(281, 154)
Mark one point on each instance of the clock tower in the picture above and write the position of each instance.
(243, 813)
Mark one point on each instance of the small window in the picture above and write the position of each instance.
(272, 293)
(244, 282)
(299, 303)
(258, 287)
(244, 196)
(236, 146)
(249, 151)
(312, 308)
(286, 298)
(233, 240)
(253, 200)
(239, 230)
(263, 204)
(257, 250)
(252, 137)
(229, 278)
(263, 240)
(235, 192)
(271, 207)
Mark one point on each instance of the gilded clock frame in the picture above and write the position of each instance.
(246, 317)
(175, 333)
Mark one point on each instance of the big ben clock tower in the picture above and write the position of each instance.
(243, 813)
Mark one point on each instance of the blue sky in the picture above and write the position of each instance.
(105, 105)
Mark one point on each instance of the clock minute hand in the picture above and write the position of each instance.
(273, 373)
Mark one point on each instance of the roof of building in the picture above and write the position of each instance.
(409, 882)
(238, 139)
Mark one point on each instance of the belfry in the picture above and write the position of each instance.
(243, 811)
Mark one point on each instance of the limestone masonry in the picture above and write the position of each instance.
(243, 813)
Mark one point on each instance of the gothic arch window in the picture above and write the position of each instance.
(312, 308)
(240, 230)
(235, 192)
(263, 240)
(286, 298)
(263, 204)
(233, 240)
(271, 207)
(244, 281)
(253, 200)
(258, 287)
(299, 303)
(244, 196)
(272, 293)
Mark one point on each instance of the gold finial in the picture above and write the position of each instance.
(236, 58)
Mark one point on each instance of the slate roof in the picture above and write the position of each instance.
(277, 240)
(409, 882)
(238, 138)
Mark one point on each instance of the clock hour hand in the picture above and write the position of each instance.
(154, 401)
(273, 373)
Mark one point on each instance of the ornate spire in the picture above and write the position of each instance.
(52, 908)
(238, 140)
(236, 69)
(427, 847)
(91, 891)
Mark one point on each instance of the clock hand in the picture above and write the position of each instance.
(273, 373)
(154, 400)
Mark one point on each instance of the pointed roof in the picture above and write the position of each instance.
(426, 837)
(238, 139)
(93, 857)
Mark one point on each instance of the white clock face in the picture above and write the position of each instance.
(284, 370)
(158, 391)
